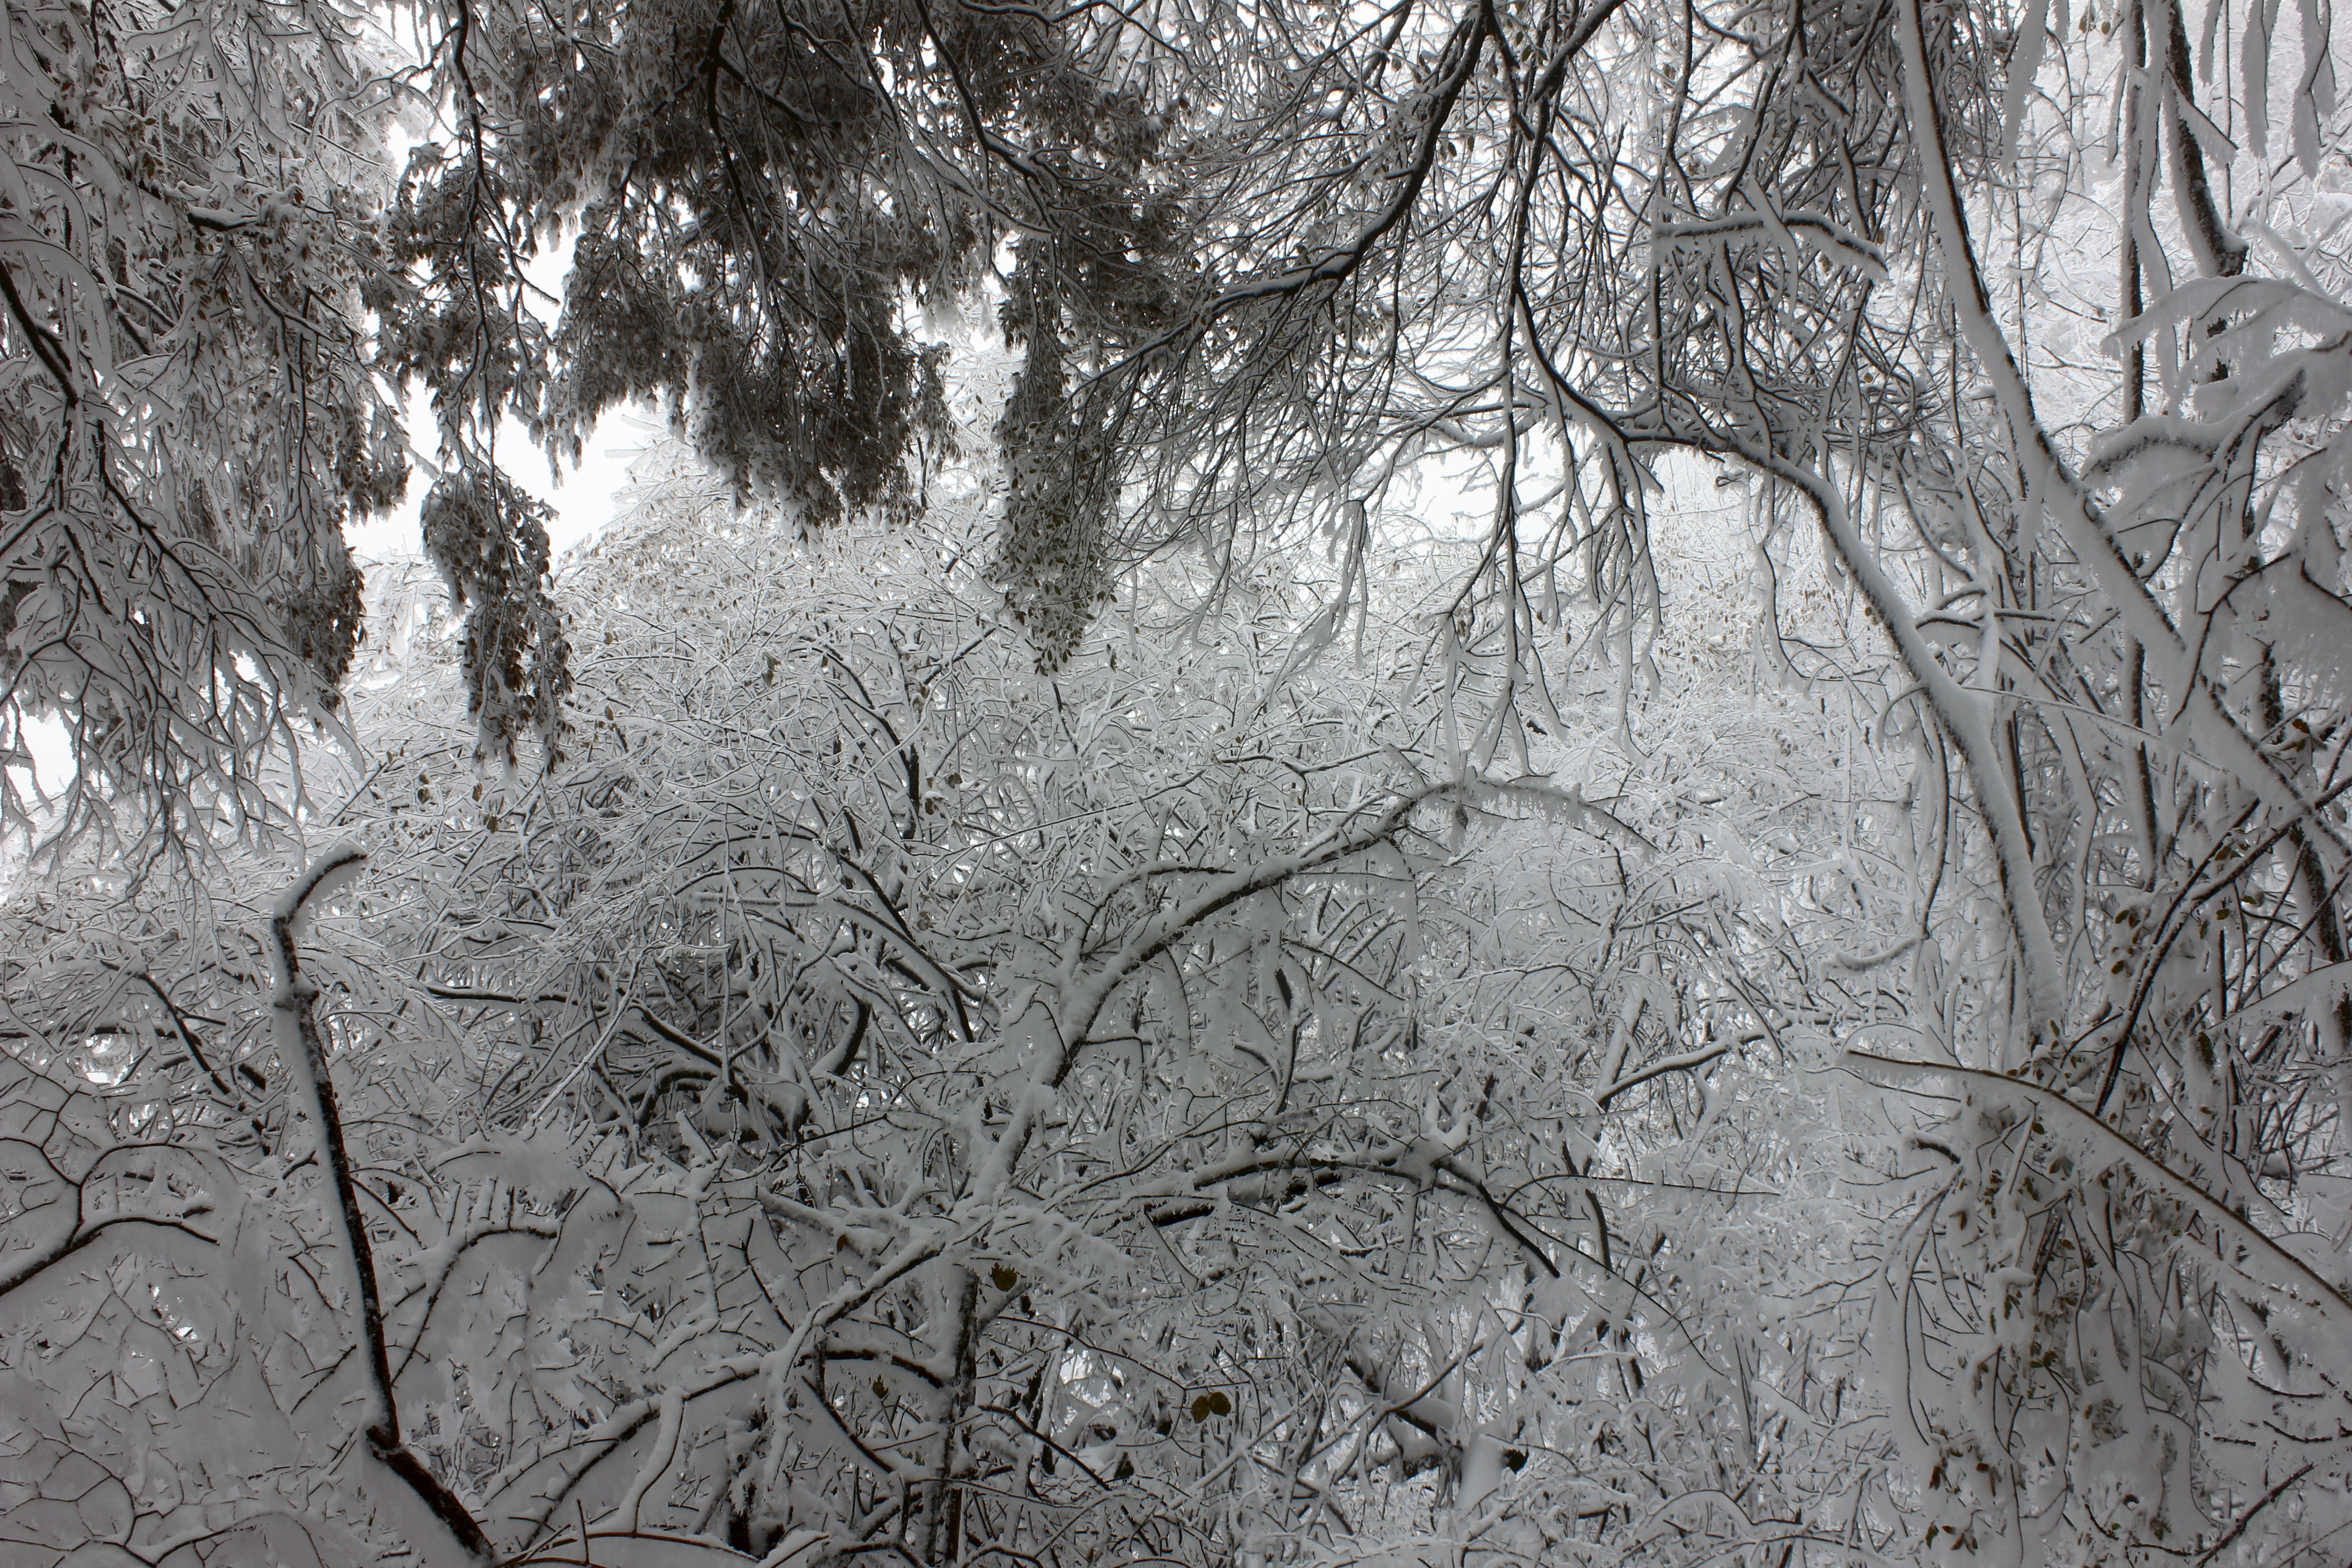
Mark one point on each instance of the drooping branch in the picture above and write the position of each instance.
(2257, 1254)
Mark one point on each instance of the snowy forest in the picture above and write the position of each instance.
(1367, 784)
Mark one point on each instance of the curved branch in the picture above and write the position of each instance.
(306, 1051)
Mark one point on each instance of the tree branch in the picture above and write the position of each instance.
(306, 1051)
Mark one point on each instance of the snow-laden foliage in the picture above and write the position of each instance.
(773, 216)
(2037, 315)
(1493, 1049)
(187, 211)
(877, 1096)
